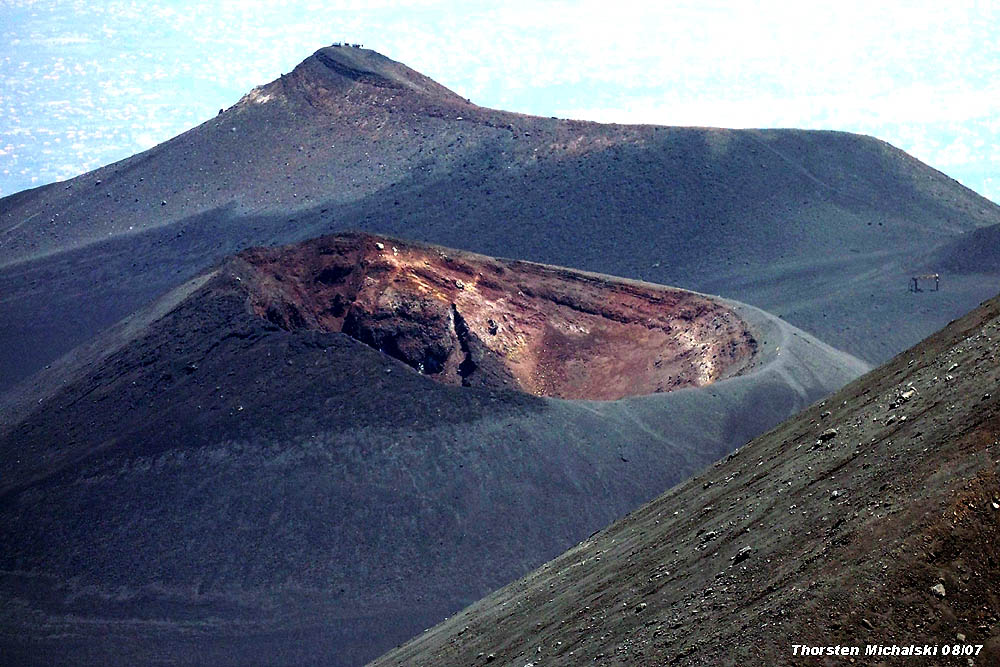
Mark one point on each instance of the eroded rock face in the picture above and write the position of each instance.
(468, 319)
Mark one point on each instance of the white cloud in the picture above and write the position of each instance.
(65, 40)
(146, 140)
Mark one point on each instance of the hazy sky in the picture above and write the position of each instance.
(86, 83)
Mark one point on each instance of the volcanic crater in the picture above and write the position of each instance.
(467, 319)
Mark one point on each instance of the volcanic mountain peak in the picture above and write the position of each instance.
(375, 69)
(336, 70)
(735, 212)
(468, 319)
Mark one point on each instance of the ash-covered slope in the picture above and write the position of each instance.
(222, 479)
(870, 518)
(974, 252)
(819, 227)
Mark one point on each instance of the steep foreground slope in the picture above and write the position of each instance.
(237, 472)
(870, 518)
(821, 228)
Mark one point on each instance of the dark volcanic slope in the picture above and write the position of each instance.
(977, 251)
(833, 529)
(819, 227)
(206, 484)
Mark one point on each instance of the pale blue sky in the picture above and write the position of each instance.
(83, 83)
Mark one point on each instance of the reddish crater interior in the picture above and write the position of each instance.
(468, 319)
